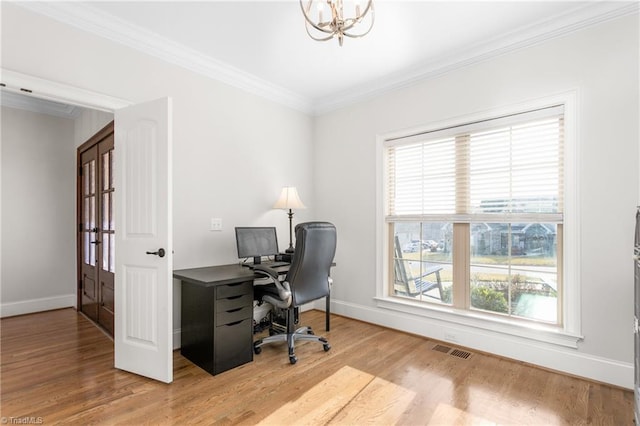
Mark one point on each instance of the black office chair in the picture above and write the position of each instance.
(307, 280)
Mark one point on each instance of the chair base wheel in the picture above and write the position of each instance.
(304, 334)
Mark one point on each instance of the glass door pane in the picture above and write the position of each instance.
(106, 212)
(89, 213)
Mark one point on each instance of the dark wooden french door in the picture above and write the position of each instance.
(96, 229)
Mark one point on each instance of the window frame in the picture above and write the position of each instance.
(568, 333)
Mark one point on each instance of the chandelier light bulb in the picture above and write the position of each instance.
(339, 24)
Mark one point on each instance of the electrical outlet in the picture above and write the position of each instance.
(450, 337)
(216, 224)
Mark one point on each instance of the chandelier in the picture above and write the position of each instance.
(328, 20)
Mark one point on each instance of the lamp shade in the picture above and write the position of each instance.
(289, 199)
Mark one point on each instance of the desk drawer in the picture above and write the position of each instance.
(229, 317)
(233, 345)
(231, 290)
(234, 302)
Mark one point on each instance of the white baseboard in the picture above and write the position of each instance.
(37, 305)
(561, 359)
(552, 357)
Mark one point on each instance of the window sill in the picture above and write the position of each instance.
(532, 331)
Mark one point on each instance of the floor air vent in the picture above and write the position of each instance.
(442, 348)
(451, 351)
(461, 354)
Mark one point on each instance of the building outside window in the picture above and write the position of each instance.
(475, 215)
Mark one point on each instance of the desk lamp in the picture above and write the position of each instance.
(289, 200)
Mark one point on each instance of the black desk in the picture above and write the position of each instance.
(217, 315)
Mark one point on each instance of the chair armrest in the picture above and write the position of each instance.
(265, 270)
(431, 270)
(283, 288)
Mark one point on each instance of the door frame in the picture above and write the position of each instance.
(93, 140)
(40, 88)
(28, 85)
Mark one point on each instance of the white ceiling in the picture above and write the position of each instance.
(262, 46)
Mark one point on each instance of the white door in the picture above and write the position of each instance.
(144, 261)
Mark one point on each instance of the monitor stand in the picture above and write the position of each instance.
(257, 260)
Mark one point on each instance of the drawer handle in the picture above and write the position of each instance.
(233, 323)
(235, 297)
(234, 310)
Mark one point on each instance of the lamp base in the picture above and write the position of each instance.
(290, 250)
(284, 257)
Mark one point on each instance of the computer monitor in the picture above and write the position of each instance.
(256, 242)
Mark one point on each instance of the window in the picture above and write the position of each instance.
(475, 216)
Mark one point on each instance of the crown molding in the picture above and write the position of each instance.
(90, 19)
(536, 33)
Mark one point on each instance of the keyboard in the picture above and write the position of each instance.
(268, 264)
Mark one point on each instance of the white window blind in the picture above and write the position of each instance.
(507, 169)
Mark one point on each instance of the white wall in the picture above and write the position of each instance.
(232, 152)
(601, 63)
(38, 209)
(88, 123)
(38, 212)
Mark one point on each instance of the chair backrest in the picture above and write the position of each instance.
(403, 282)
(406, 283)
(315, 249)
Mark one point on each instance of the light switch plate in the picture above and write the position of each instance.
(216, 224)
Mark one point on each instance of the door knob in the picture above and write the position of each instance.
(159, 253)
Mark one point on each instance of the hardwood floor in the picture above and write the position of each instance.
(58, 368)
